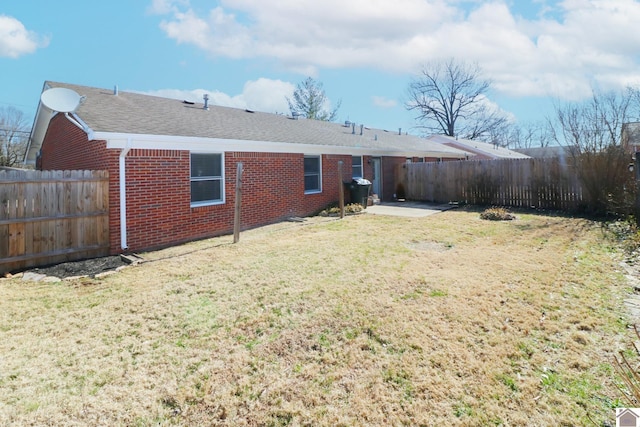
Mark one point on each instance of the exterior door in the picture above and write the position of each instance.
(376, 182)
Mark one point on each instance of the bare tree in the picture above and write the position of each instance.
(526, 135)
(14, 134)
(450, 98)
(592, 131)
(596, 124)
(310, 99)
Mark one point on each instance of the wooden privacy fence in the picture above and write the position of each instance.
(48, 217)
(541, 183)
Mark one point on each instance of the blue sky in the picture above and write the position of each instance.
(252, 53)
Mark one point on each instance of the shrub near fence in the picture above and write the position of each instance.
(49, 217)
(540, 183)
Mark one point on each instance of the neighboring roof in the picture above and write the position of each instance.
(477, 147)
(106, 115)
(547, 152)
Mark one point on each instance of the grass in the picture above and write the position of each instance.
(369, 320)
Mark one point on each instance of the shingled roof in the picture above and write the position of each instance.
(484, 149)
(134, 114)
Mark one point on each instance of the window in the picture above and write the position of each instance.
(356, 167)
(206, 179)
(312, 174)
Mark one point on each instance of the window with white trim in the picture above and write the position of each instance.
(312, 174)
(207, 182)
(356, 167)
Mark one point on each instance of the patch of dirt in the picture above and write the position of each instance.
(88, 267)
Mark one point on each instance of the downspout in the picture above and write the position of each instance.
(123, 196)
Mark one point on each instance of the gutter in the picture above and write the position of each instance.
(217, 145)
(76, 120)
(123, 195)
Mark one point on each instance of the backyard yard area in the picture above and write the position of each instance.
(369, 320)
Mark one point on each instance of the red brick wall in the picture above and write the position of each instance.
(158, 195)
(66, 147)
(158, 188)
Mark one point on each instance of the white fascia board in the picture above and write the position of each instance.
(82, 123)
(217, 145)
(38, 130)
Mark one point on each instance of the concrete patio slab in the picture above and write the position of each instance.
(408, 209)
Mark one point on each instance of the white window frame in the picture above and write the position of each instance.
(319, 189)
(220, 179)
(353, 174)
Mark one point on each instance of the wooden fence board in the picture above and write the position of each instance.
(541, 183)
(4, 237)
(52, 216)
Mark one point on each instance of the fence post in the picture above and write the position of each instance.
(636, 169)
(238, 205)
(340, 190)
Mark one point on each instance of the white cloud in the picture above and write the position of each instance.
(16, 40)
(562, 50)
(268, 95)
(259, 95)
(161, 7)
(307, 34)
(382, 102)
(493, 108)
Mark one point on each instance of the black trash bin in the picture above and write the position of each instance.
(359, 191)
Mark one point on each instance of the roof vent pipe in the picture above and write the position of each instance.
(361, 129)
(399, 131)
(353, 128)
(115, 90)
(206, 101)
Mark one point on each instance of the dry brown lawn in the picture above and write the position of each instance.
(366, 321)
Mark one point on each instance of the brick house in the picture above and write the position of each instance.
(172, 164)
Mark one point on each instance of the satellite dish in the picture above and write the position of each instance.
(61, 99)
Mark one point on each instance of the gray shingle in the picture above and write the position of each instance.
(135, 113)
